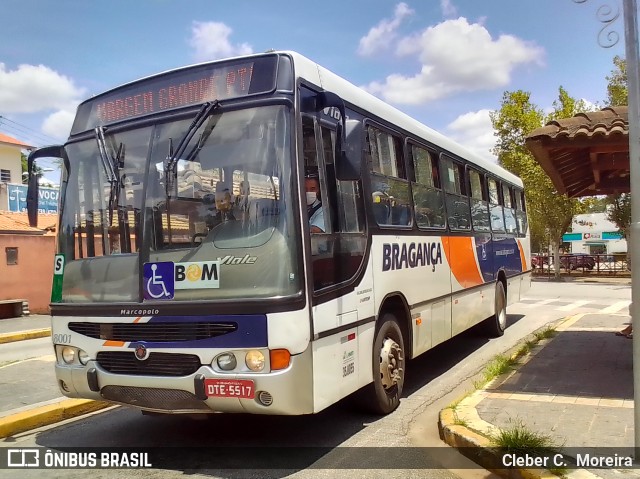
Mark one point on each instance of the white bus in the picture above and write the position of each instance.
(187, 279)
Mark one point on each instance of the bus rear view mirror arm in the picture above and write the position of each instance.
(56, 151)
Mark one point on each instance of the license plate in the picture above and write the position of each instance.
(229, 388)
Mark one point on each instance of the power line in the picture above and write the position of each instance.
(25, 130)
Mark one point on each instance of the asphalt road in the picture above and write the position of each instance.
(434, 380)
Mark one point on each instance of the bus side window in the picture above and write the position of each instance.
(521, 214)
(497, 216)
(509, 210)
(391, 203)
(479, 204)
(427, 194)
(457, 201)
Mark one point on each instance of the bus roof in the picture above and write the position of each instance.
(326, 79)
(349, 92)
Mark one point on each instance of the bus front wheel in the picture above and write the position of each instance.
(496, 324)
(383, 395)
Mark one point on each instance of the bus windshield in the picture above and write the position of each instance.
(191, 195)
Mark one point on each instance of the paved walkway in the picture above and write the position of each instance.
(576, 388)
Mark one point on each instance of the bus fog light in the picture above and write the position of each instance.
(255, 360)
(265, 398)
(83, 356)
(227, 361)
(68, 354)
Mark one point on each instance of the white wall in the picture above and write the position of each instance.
(593, 225)
(10, 160)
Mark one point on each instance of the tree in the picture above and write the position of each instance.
(23, 161)
(619, 210)
(617, 91)
(619, 213)
(550, 213)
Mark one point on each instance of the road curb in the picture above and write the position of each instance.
(22, 335)
(469, 433)
(46, 415)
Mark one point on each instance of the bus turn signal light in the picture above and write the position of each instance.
(280, 359)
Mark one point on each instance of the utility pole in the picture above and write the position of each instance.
(631, 48)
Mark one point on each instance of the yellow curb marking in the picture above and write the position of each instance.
(22, 335)
(45, 415)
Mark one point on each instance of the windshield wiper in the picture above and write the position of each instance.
(111, 169)
(171, 162)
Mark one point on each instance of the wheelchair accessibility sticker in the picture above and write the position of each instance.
(159, 280)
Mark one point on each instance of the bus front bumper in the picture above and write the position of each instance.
(286, 392)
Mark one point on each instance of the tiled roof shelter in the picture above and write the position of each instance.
(587, 154)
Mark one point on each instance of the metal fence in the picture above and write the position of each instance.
(582, 264)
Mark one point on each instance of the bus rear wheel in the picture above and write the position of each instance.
(496, 324)
(383, 395)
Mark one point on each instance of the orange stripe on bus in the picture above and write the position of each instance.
(523, 258)
(137, 319)
(117, 344)
(462, 260)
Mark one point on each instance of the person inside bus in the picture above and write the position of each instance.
(241, 206)
(314, 204)
(224, 203)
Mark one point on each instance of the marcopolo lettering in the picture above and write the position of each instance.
(412, 255)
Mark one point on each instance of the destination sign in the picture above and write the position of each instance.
(184, 87)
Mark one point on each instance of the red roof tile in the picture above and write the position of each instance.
(19, 223)
(12, 141)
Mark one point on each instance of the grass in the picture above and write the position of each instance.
(454, 404)
(498, 366)
(519, 440)
(546, 333)
(461, 422)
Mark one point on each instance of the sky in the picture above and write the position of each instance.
(446, 63)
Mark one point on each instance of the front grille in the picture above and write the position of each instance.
(153, 332)
(153, 398)
(157, 364)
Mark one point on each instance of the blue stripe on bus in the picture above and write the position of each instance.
(496, 254)
(251, 332)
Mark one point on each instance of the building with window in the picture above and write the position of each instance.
(10, 165)
(594, 234)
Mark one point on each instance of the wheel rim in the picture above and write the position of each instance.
(391, 361)
(502, 312)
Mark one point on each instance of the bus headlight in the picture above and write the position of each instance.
(68, 354)
(83, 356)
(227, 361)
(255, 360)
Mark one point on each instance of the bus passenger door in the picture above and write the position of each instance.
(336, 256)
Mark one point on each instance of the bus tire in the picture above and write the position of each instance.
(388, 362)
(496, 324)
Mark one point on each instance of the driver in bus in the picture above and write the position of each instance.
(314, 204)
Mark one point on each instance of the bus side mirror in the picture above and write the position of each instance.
(348, 166)
(56, 151)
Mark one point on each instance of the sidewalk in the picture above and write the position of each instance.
(29, 394)
(576, 388)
